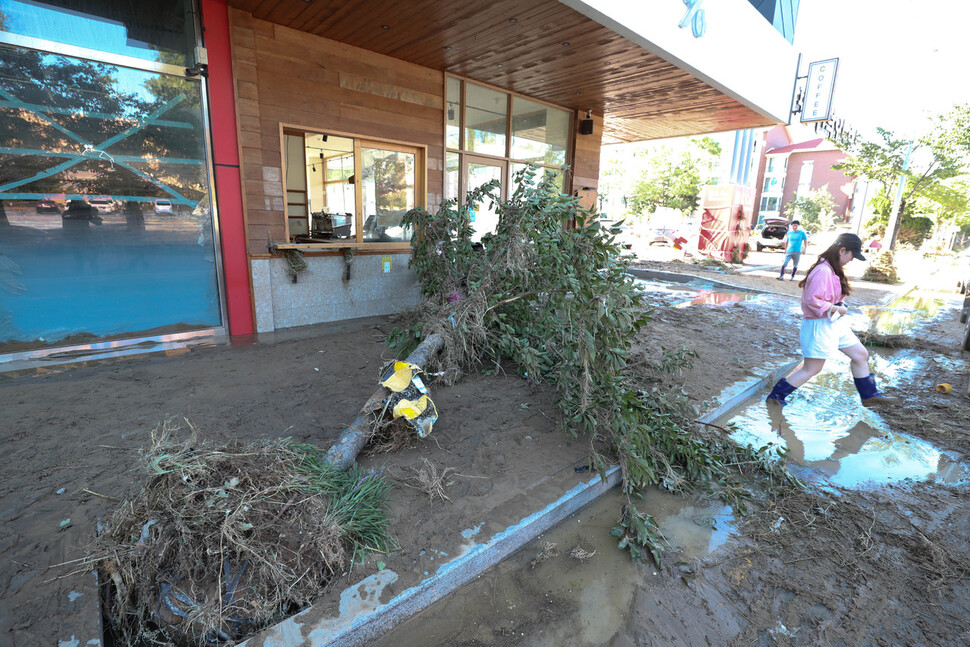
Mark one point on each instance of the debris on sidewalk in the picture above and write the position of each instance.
(224, 539)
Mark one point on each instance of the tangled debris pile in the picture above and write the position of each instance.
(223, 540)
(881, 268)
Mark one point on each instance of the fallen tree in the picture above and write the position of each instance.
(548, 292)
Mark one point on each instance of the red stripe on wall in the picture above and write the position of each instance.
(225, 156)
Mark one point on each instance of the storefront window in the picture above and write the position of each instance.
(540, 133)
(453, 112)
(452, 170)
(389, 178)
(105, 229)
(485, 120)
(345, 190)
(161, 31)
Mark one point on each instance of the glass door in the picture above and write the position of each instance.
(476, 172)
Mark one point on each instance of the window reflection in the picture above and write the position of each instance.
(388, 188)
(154, 30)
(104, 225)
(539, 133)
(485, 120)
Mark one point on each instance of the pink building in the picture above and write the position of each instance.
(790, 167)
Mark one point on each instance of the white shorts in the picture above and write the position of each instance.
(822, 338)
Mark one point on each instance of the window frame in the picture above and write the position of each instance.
(420, 152)
(507, 158)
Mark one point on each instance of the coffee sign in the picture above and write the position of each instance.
(817, 104)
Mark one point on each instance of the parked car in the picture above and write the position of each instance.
(47, 206)
(772, 234)
(163, 206)
(623, 235)
(103, 205)
(663, 236)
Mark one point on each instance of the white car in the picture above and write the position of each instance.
(163, 206)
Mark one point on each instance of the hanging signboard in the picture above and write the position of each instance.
(817, 105)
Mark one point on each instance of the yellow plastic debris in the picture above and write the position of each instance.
(944, 388)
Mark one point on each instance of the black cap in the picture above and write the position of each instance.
(852, 243)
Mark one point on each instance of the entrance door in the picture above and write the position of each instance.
(477, 171)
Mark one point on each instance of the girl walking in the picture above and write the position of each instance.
(823, 332)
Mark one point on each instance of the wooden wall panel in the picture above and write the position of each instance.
(586, 161)
(284, 76)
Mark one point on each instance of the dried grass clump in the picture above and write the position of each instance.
(223, 540)
(429, 480)
(581, 554)
(548, 552)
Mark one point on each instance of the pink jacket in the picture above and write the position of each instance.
(822, 290)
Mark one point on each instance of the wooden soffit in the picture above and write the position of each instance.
(539, 48)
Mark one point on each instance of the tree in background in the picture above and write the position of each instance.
(920, 166)
(948, 205)
(815, 210)
(675, 181)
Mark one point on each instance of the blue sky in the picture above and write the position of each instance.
(900, 60)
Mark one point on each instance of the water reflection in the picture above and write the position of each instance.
(718, 298)
(562, 599)
(827, 430)
(104, 225)
(905, 313)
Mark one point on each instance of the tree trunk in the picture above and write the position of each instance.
(894, 223)
(344, 451)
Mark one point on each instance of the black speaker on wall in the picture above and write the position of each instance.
(586, 125)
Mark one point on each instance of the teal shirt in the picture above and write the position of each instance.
(795, 241)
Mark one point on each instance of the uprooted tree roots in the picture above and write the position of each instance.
(223, 540)
(548, 291)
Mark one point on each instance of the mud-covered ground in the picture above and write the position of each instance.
(884, 566)
(880, 565)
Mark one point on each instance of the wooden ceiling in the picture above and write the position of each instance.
(540, 48)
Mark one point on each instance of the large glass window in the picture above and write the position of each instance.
(161, 31)
(485, 120)
(540, 133)
(496, 142)
(349, 191)
(388, 190)
(105, 228)
(453, 112)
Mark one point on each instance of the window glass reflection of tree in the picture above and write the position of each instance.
(389, 179)
(151, 30)
(83, 128)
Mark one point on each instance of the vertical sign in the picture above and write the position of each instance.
(819, 90)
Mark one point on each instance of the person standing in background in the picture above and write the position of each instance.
(796, 241)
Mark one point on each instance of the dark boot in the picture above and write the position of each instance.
(781, 390)
(871, 397)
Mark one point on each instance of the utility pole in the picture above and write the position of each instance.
(890, 237)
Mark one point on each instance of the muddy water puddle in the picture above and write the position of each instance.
(570, 586)
(695, 293)
(833, 438)
(906, 313)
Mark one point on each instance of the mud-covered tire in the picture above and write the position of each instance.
(965, 312)
(966, 337)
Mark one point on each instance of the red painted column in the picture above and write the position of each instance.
(225, 158)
